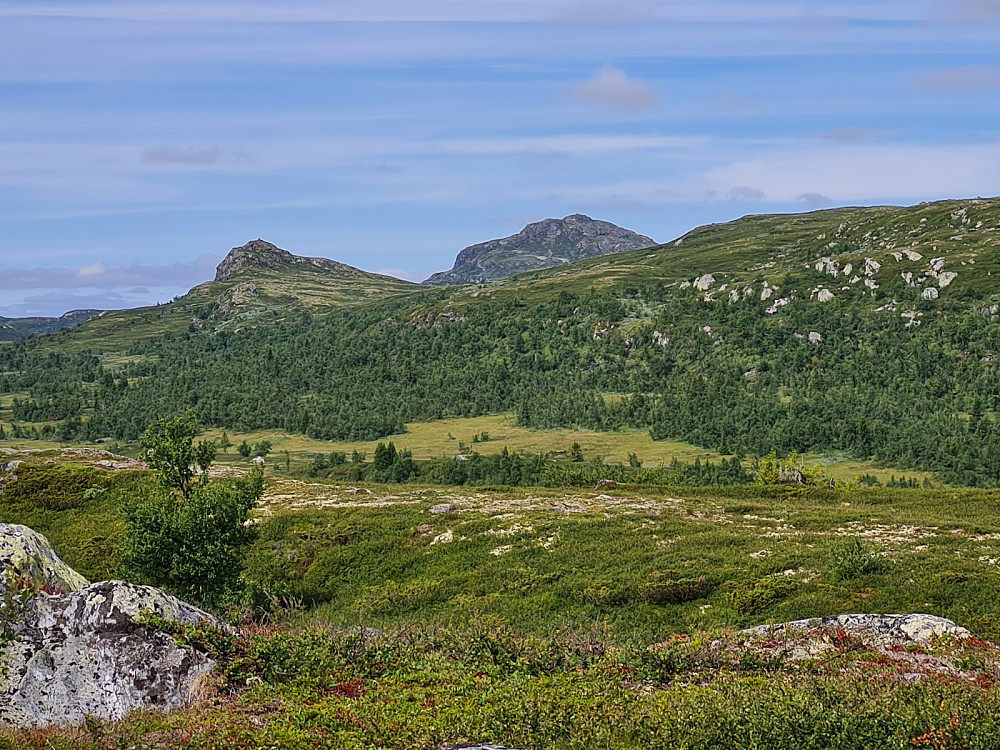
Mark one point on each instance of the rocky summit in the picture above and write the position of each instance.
(258, 254)
(552, 242)
(72, 649)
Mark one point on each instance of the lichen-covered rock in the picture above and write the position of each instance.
(92, 651)
(916, 628)
(27, 556)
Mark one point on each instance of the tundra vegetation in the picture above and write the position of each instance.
(566, 617)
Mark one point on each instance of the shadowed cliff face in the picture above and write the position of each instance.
(553, 242)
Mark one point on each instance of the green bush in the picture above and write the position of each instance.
(606, 594)
(669, 588)
(852, 558)
(753, 597)
(54, 487)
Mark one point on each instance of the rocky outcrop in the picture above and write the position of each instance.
(28, 561)
(260, 254)
(547, 243)
(916, 628)
(73, 650)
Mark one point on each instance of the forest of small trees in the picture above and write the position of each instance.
(719, 375)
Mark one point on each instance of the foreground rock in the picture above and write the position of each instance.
(73, 650)
(28, 559)
(916, 628)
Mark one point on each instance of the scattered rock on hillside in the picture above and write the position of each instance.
(916, 628)
(441, 508)
(73, 650)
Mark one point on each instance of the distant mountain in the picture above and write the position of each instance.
(552, 242)
(258, 254)
(13, 329)
(256, 282)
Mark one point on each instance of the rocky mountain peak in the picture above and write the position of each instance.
(255, 253)
(542, 244)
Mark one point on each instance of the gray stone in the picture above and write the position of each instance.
(28, 556)
(87, 650)
(441, 508)
(916, 628)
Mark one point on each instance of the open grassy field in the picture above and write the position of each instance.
(445, 438)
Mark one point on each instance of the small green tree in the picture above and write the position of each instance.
(189, 535)
(576, 452)
(224, 442)
(244, 449)
(169, 449)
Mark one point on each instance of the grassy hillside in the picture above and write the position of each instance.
(257, 295)
(571, 619)
(866, 333)
(785, 250)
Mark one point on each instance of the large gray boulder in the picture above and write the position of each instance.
(87, 650)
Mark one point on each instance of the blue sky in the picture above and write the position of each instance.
(139, 141)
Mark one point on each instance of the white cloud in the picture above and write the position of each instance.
(611, 88)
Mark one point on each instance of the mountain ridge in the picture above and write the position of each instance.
(541, 244)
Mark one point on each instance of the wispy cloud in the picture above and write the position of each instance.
(850, 135)
(864, 172)
(977, 10)
(611, 88)
(739, 194)
(968, 78)
(815, 200)
(192, 156)
(100, 275)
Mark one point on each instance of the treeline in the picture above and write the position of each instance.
(520, 470)
(720, 375)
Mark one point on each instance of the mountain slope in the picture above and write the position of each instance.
(868, 254)
(872, 332)
(552, 242)
(256, 282)
(13, 329)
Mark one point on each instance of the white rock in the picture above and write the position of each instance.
(937, 264)
(777, 305)
(930, 293)
(703, 283)
(912, 255)
(766, 293)
(946, 277)
(871, 266)
(824, 295)
(815, 337)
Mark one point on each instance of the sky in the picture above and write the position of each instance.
(140, 141)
